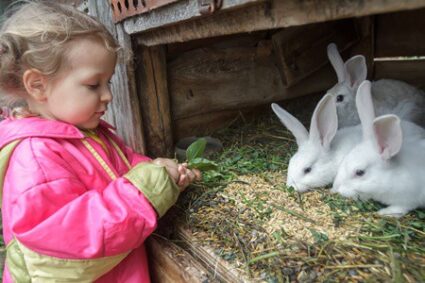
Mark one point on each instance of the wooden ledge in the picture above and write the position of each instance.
(182, 22)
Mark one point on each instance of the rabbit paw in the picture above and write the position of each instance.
(393, 211)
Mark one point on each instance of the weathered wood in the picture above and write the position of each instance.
(124, 111)
(154, 100)
(171, 264)
(300, 51)
(180, 11)
(220, 268)
(204, 125)
(243, 39)
(268, 15)
(209, 80)
(411, 71)
(206, 80)
(400, 34)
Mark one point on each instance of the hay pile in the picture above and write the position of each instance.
(269, 233)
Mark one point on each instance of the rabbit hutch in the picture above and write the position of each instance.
(200, 65)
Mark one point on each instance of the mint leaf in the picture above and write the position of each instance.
(196, 149)
(202, 164)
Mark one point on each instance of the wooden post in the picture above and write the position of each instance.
(154, 100)
(124, 111)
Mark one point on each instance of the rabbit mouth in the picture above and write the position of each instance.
(302, 189)
(345, 192)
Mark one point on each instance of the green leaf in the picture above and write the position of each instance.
(196, 149)
(202, 164)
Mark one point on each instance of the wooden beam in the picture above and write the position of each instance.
(174, 13)
(124, 111)
(266, 15)
(154, 100)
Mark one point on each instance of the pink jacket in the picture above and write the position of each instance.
(58, 200)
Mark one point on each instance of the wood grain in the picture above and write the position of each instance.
(123, 112)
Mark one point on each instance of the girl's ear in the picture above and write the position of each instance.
(35, 84)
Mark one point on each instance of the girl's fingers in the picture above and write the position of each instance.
(183, 181)
(182, 169)
(187, 176)
(198, 174)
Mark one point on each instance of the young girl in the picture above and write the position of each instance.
(77, 205)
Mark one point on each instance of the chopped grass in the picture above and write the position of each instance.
(270, 233)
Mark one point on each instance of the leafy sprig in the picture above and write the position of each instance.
(194, 156)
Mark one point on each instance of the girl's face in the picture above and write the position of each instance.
(80, 92)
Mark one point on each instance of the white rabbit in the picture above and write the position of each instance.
(387, 166)
(320, 152)
(390, 96)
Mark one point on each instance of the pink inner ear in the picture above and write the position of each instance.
(381, 148)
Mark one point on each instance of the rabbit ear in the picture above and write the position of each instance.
(356, 70)
(324, 123)
(365, 108)
(388, 134)
(291, 123)
(336, 61)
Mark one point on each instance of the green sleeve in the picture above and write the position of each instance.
(155, 183)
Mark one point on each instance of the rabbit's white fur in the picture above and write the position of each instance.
(390, 96)
(321, 150)
(387, 166)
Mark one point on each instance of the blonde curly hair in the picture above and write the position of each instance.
(35, 34)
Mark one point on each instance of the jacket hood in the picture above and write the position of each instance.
(13, 129)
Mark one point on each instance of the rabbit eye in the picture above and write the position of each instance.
(339, 98)
(307, 170)
(359, 173)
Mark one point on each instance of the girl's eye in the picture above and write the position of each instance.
(93, 87)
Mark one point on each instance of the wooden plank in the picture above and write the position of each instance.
(400, 34)
(169, 263)
(411, 71)
(268, 15)
(154, 100)
(217, 266)
(175, 13)
(209, 80)
(204, 125)
(301, 50)
(123, 112)
(244, 39)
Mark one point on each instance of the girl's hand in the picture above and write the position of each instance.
(187, 176)
(180, 174)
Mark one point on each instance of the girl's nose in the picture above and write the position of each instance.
(106, 96)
